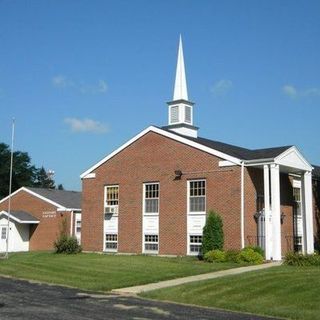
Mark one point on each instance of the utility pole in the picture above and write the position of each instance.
(10, 190)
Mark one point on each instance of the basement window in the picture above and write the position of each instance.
(151, 243)
(111, 242)
(195, 244)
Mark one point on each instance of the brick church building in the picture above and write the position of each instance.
(152, 194)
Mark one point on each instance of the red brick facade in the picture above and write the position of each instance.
(42, 235)
(154, 158)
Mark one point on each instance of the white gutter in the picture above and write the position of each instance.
(242, 205)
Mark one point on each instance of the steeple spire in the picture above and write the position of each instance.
(180, 109)
(180, 86)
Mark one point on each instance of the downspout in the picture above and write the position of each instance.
(242, 205)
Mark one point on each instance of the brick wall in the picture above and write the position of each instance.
(42, 235)
(155, 158)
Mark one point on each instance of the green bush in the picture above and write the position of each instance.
(301, 260)
(66, 244)
(232, 255)
(248, 255)
(257, 249)
(212, 233)
(215, 256)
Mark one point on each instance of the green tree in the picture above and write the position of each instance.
(213, 237)
(23, 171)
(43, 179)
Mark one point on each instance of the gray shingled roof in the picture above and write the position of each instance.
(68, 199)
(234, 151)
(23, 216)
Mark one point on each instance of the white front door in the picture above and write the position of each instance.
(3, 238)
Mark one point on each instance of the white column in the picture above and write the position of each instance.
(276, 212)
(306, 185)
(267, 213)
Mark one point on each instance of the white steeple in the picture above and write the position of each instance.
(180, 86)
(180, 117)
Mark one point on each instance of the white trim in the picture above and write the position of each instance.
(149, 214)
(267, 212)
(242, 206)
(168, 135)
(90, 176)
(306, 165)
(18, 220)
(276, 211)
(68, 209)
(226, 163)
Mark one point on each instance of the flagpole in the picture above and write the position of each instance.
(10, 189)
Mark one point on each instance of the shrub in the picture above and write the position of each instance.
(215, 256)
(232, 255)
(248, 255)
(65, 244)
(300, 260)
(212, 233)
(257, 249)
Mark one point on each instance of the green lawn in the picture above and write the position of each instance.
(100, 272)
(289, 292)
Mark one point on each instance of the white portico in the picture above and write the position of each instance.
(290, 162)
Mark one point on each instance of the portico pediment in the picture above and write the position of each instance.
(294, 159)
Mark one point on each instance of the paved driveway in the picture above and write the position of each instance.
(25, 300)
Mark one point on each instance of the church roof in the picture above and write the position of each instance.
(68, 199)
(235, 151)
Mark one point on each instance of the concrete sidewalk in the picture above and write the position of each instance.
(206, 276)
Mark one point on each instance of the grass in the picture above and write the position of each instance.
(288, 292)
(99, 272)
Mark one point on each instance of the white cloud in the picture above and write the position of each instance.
(221, 87)
(294, 93)
(61, 81)
(290, 91)
(86, 125)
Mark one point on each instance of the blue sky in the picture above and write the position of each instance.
(83, 77)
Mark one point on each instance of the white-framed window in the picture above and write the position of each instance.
(174, 114)
(111, 242)
(151, 243)
(111, 199)
(187, 114)
(78, 226)
(151, 198)
(195, 242)
(197, 196)
(3, 233)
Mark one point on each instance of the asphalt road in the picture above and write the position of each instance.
(25, 300)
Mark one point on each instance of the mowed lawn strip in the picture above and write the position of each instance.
(288, 292)
(100, 272)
